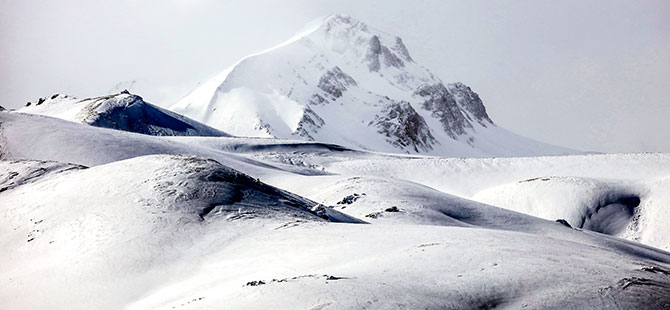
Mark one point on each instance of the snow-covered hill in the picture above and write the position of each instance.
(341, 81)
(95, 218)
(122, 111)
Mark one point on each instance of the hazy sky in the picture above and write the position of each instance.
(592, 75)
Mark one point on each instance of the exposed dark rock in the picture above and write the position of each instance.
(255, 283)
(309, 124)
(390, 59)
(404, 127)
(470, 101)
(402, 49)
(349, 199)
(456, 106)
(317, 99)
(564, 222)
(335, 82)
(377, 53)
(392, 209)
(321, 211)
(372, 56)
(443, 106)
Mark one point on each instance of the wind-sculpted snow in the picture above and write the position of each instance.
(122, 111)
(607, 207)
(36, 137)
(620, 208)
(340, 82)
(18, 172)
(261, 222)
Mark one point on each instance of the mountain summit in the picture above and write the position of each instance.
(344, 82)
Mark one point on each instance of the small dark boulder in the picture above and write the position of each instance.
(255, 283)
(349, 199)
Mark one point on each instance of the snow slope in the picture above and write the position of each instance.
(341, 81)
(634, 210)
(255, 222)
(574, 188)
(122, 111)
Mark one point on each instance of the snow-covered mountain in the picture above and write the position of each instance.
(114, 203)
(343, 82)
(122, 111)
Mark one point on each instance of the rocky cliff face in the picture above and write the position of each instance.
(404, 128)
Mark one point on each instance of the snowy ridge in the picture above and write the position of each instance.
(341, 82)
(122, 111)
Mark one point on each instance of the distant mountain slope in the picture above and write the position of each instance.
(343, 82)
(122, 111)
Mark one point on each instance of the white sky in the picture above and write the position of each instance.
(592, 75)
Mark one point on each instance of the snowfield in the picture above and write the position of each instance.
(98, 218)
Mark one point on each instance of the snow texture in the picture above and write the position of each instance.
(99, 218)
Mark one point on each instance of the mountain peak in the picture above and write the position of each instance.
(341, 20)
(354, 39)
(342, 81)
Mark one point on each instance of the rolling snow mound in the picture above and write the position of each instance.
(122, 111)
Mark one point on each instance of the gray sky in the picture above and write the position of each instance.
(592, 75)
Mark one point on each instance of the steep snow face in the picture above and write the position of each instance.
(347, 83)
(122, 111)
(607, 207)
(631, 209)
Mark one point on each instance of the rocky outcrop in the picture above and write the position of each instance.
(379, 54)
(309, 124)
(404, 127)
(443, 106)
(469, 101)
(334, 82)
